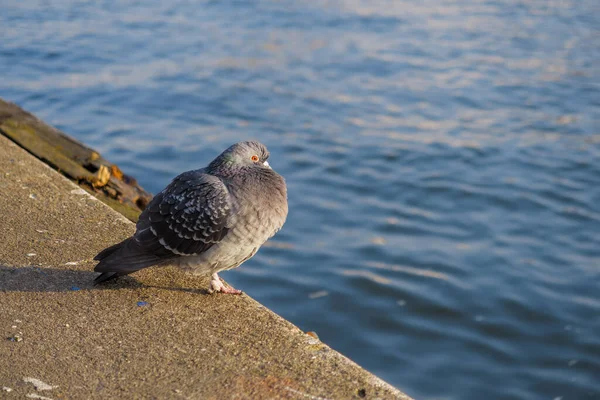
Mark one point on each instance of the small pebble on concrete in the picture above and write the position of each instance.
(37, 396)
(38, 384)
(313, 334)
(17, 337)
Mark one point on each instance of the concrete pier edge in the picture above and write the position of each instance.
(156, 334)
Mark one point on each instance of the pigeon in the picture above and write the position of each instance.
(206, 220)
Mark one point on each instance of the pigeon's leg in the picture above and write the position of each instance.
(216, 285)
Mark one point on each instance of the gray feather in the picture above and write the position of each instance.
(188, 217)
(122, 259)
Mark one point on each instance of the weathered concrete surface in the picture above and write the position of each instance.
(97, 342)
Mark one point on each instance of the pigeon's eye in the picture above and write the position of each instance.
(254, 158)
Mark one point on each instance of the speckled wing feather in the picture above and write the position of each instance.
(187, 217)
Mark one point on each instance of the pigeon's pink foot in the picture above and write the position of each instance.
(216, 285)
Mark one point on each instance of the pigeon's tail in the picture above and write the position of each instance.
(123, 259)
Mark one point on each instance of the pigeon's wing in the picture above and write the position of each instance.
(187, 217)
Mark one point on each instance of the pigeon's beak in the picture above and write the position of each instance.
(266, 164)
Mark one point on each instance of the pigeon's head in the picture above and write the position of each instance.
(242, 155)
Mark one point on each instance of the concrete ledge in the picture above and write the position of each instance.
(154, 335)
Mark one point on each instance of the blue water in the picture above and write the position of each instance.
(442, 160)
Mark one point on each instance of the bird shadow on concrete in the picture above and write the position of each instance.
(180, 289)
(41, 279)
